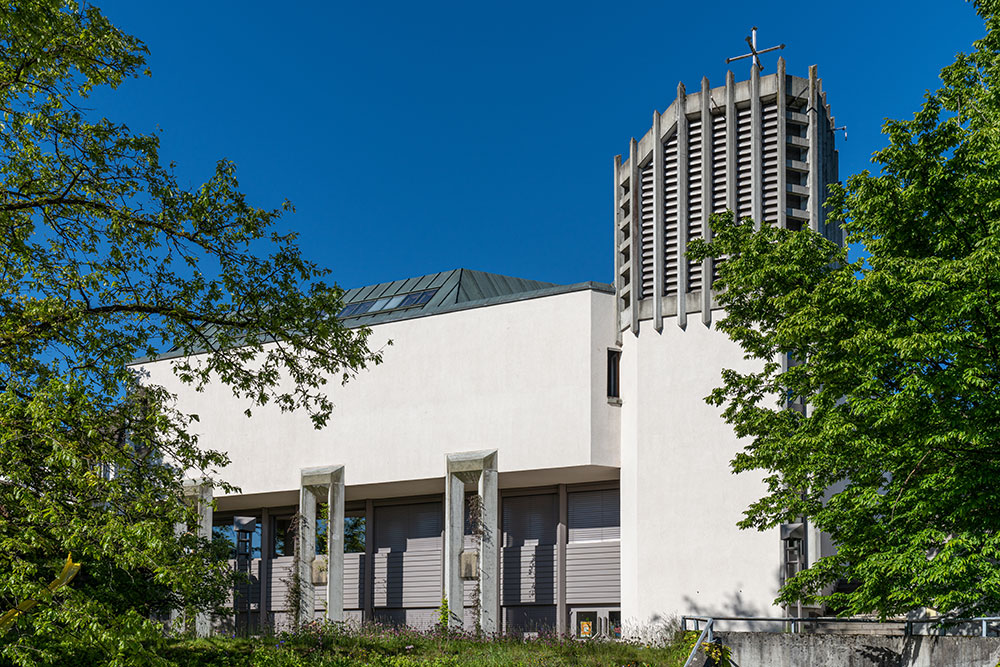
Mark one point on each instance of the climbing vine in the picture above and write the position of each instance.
(477, 528)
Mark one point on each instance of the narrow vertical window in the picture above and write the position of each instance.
(614, 356)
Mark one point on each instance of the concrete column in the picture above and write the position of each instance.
(707, 169)
(368, 614)
(454, 536)
(264, 569)
(198, 493)
(813, 157)
(756, 149)
(683, 160)
(306, 547)
(335, 551)
(635, 231)
(479, 468)
(782, 221)
(659, 232)
(562, 537)
(324, 483)
(489, 553)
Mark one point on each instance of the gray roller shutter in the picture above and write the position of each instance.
(528, 556)
(593, 553)
(408, 551)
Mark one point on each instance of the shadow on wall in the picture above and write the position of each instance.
(733, 605)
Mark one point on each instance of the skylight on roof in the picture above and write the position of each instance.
(386, 304)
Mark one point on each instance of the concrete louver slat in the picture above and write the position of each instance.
(647, 223)
(695, 216)
(670, 231)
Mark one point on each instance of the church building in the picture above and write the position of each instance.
(539, 455)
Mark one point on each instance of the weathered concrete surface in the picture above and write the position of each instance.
(760, 649)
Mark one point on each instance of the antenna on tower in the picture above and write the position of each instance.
(754, 53)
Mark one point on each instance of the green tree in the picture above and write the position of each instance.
(897, 358)
(104, 257)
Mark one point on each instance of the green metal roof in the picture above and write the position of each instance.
(437, 292)
(459, 289)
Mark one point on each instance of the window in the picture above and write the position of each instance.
(284, 537)
(354, 531)
(224, 534)
(614, 357)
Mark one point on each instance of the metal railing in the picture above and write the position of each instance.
(795, 624)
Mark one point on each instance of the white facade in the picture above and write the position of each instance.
(598, 509)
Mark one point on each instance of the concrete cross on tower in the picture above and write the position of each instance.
(754, 53)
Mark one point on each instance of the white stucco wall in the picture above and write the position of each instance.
(681, 550)
(526, 378)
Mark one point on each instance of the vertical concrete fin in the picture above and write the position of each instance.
(731, 142)
(659, 247)
(454, 533)
(368, 613)
(683, 158)
(619, 238)
(489, 552)
(306, 544)
(198, 493)
(562, 538)
(635, 276)
(335, 547)
(756, 149)
(707, 168)
(782, 147)
(814, 156)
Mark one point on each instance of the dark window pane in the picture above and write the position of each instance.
(354, 534)
(614, 358)
(426, 296)
(410, 299)
(284, 537)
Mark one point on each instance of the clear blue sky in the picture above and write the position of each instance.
(420, 137)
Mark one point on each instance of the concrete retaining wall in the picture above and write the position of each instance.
(758, 649)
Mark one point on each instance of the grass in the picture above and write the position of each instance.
(330, 645)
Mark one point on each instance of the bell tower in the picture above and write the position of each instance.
(761, 148)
